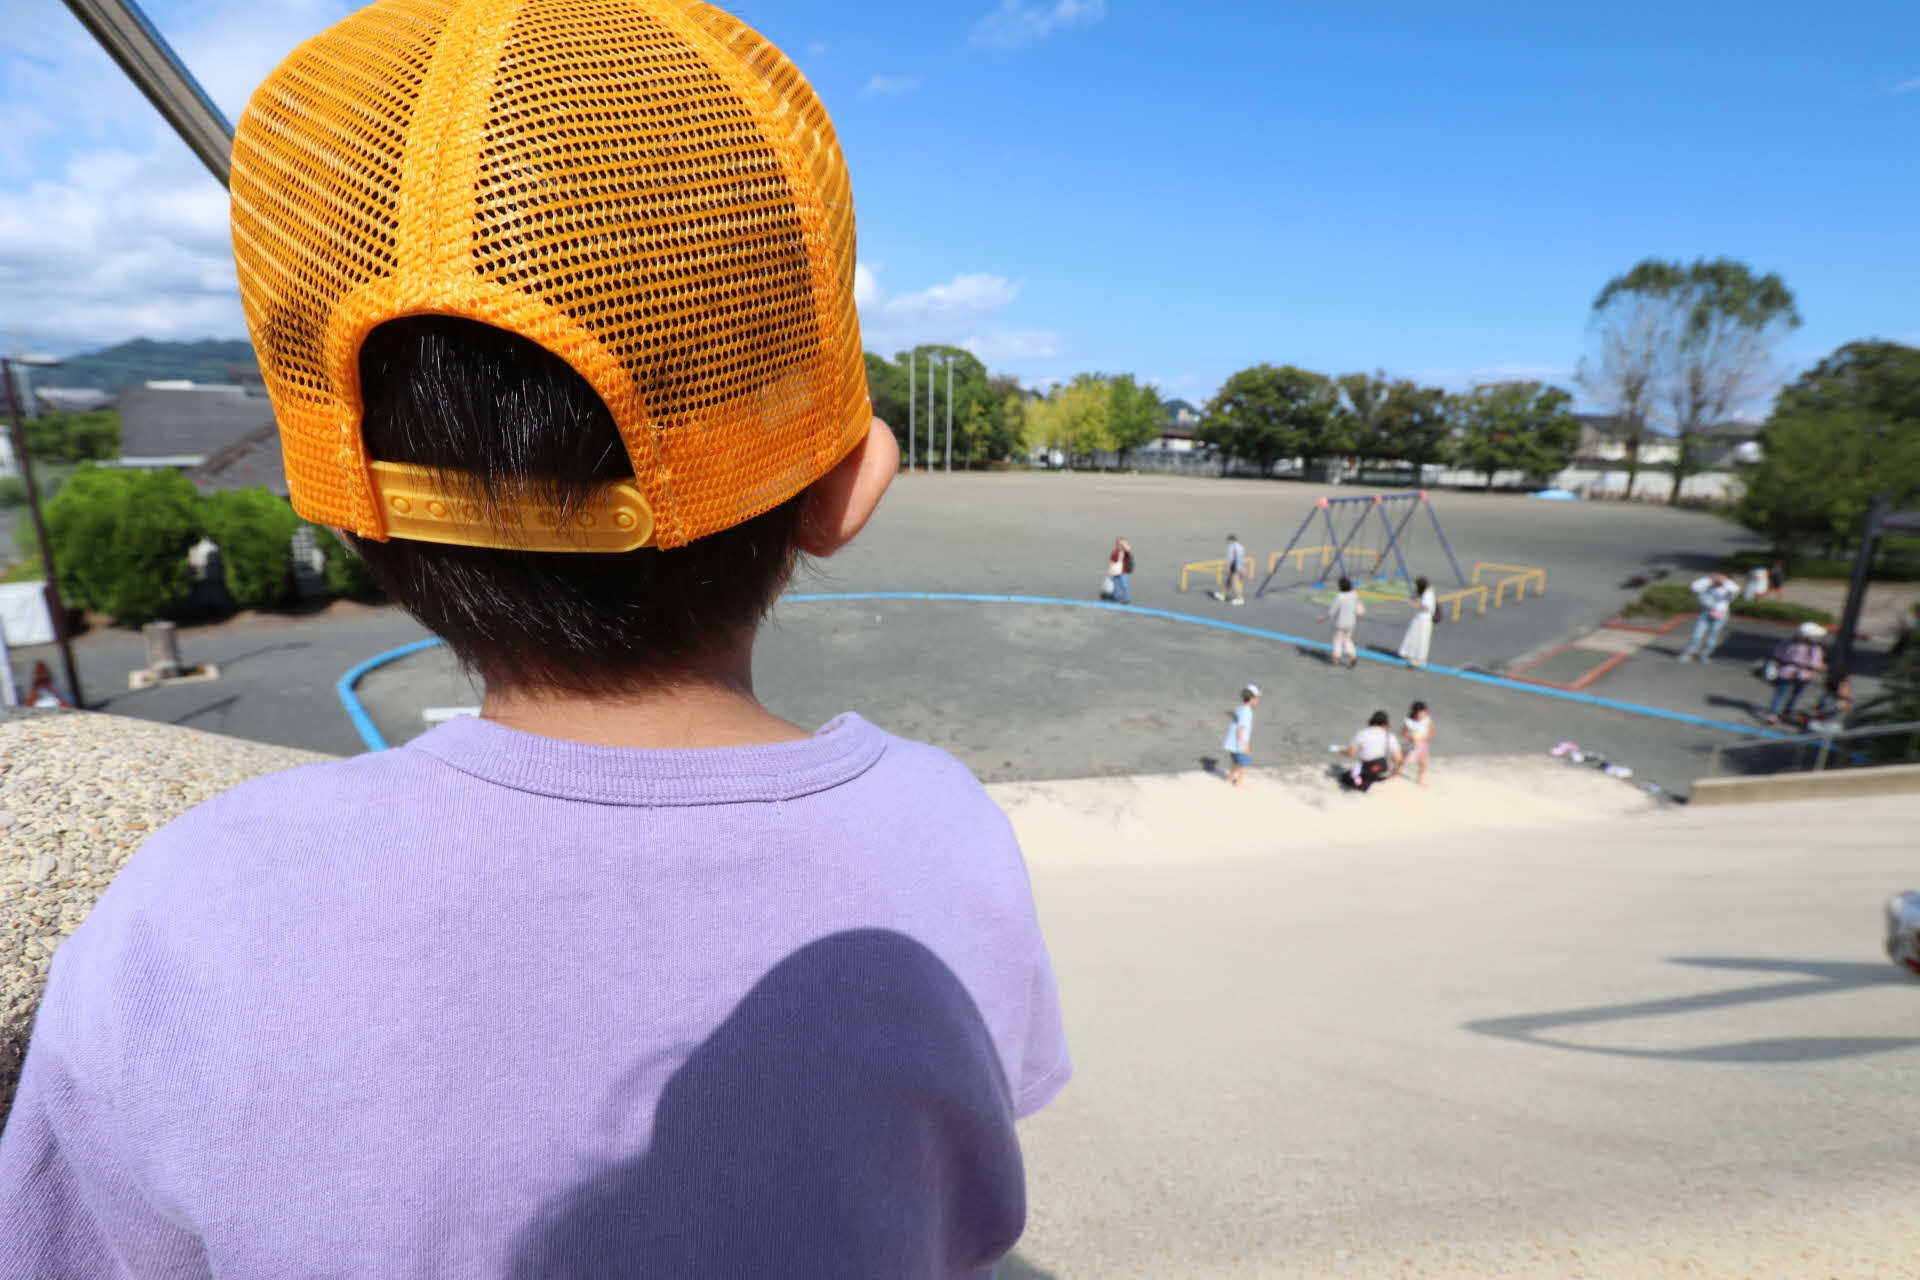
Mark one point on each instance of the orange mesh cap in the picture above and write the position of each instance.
(646, 188)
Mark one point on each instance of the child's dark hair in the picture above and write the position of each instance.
(1346, 584)
(1380, 718)
(444, 392)
(1420, 586)
(1418, 709)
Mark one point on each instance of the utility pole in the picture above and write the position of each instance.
(1857, 590)
(55, 608)
(930, 382)
(913, 399)
(949, 417)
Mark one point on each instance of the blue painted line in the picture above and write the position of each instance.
(375, 742)
(369, 732)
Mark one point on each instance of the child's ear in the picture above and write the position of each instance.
(841, 502)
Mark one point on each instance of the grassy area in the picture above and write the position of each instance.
(1670, 599)
(1899, 561)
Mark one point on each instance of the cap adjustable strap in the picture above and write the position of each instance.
(418, 505)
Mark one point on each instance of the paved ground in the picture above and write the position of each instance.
(1056, 693)
(1669, 1045)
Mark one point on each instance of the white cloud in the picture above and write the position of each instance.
(109, 228)
(1018, 22)
(999, 346)
(818, 48)
(961, 313)
(1902, 86)
(890, 86)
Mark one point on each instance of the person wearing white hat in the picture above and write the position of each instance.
(1797, 662)
(1239, 740)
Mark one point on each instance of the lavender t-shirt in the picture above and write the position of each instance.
(494, 1005)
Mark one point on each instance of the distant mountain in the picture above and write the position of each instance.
(143, 360)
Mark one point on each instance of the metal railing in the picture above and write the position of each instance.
(1817, 752)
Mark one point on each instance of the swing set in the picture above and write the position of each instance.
(1381, 568)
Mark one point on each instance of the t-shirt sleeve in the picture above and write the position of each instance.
(72, 1203)
(1047, 1066)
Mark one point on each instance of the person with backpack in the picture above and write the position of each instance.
(1797, 661)
(1119, 570)
(1375, 754)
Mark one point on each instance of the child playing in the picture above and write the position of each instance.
(1418, 734)
(1239, 741)
(1345, 614)
(628, 976)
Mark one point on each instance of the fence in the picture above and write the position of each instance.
(1818, 752)
(1517, 576)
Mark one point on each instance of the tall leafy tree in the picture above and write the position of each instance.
(1135, 414)
(1515, 426)
(1268, 413)
(1723, 323)
(1848, 429)
(1392, 420)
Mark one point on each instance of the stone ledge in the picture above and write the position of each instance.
(1786, 788)
(79, 793)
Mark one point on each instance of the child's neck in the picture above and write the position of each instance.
(706, 704)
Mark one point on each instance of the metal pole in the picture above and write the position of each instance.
(930, 381)
(1862, 575)
(54, 606)
(913, 399)
(130, 40)
(1268, 580)
(949, 417)
(1459, 574)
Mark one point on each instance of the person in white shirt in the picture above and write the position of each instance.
(1239, 740)
(1716, 593)
(1426, 607)
(1239, 565)
(1375, 754)
(1345, 614)
(1418, 733)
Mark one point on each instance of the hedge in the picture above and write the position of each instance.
(254, 529)
(120, 539)
(1670, 599)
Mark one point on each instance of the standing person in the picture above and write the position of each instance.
(1798, 661)
(1418, 733)
(1239, 740)
(1119, 568)
(1375, 754)
(1345, 614)
(1758, 585)
(1238, 567)
(1715, 592)
(628, 976)
(1836, 704)
(1419, 638)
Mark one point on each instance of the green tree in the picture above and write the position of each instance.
(1392, 420)
(1268, 413)
(346, 574)
(74, 437)
(1135, 415)
(1848, 429)
(120, 539)
(900, 399)
(1074, 419)
(1515, 426)
(1722, 323)
(253, 529)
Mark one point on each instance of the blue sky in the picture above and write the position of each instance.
(1174, 190)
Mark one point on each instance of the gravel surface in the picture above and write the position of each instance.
(78, 794)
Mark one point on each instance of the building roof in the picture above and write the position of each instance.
(253, 460)
(72, 399)
(185, 420)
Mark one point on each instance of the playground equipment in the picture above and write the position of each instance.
(1341, 555)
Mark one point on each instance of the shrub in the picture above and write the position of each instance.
(120, 540)
(1899, 561)
(1783, 611)
(254, 530)
(346, 574)
(1663, 600)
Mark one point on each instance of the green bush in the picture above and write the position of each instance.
(1783, 611)
(1899, 561)
(254, 529)
(13, 491)
(1663, 600)
(347, 574)
(120, 540)
(74, 437)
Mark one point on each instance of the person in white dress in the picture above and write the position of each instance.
(1426, 607)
